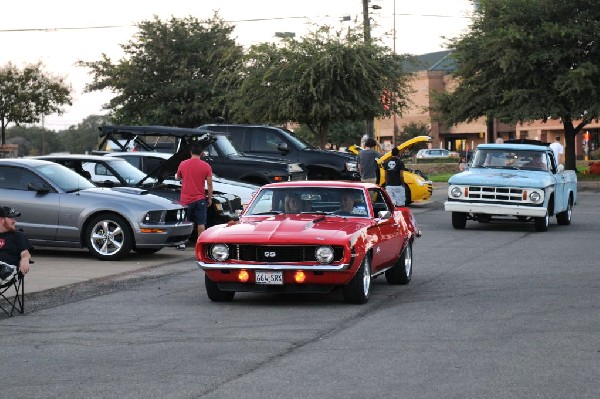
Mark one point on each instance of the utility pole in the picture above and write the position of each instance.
(367, 36)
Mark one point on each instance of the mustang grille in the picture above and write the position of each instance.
(505, 194)
(171, 216)
(275, 253)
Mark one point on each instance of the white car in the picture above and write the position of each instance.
(148, 161)
(433, 153)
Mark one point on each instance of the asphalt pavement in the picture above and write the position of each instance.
(61, 268)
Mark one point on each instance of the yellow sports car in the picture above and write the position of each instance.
(416, 185)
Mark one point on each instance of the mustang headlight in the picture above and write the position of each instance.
(534, 196)
(455, 192)
(154, 217)
(351, 166)
(324, 254)
(219, 252)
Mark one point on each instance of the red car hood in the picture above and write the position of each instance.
(287, 229)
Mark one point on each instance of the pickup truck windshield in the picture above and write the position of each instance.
(511, 159)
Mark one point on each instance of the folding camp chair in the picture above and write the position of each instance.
(9, 303)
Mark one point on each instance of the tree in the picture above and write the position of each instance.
(340, 134)
(28, 94)
(525, 60)
(169, 75)
(83, 137)
(324, 78)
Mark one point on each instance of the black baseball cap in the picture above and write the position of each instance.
(8, 212)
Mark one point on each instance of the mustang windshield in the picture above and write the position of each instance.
(64, 178)
(310, 200)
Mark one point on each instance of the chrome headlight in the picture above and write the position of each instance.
(534, 196)
(351, 166)
(324, 254)
(455, 192)
(219, 252)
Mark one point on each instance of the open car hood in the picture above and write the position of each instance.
(168, 168)
(354, 149)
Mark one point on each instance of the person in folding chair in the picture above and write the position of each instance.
(14, 261)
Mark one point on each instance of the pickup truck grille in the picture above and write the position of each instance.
(277, 253)
(504, 194)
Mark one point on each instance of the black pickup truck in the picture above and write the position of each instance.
(282, 144)
(219, 152)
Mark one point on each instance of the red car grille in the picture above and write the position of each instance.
(283, 253)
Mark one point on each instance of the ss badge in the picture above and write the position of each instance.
(270, 254)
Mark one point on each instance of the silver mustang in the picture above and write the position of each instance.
(60, 208)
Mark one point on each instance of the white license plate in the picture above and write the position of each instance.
(271, 278)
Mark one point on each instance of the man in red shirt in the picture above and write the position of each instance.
(196, 186)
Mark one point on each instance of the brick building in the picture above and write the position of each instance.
(433, 73)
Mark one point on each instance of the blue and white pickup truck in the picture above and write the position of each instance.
(521, 182)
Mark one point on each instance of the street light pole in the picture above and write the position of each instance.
(367, 36)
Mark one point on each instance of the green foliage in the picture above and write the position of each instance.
(325, 78)
(524, 60)
(170, 73)
(340, 134)
(33, 140)
(84, 137)
(27, 94)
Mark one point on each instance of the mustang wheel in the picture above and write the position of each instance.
(358, 289)
(541, 224)
(564, 218)
(401, 272)
(459, 220)
(108, 237)
(214, 293)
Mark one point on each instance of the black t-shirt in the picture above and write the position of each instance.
(12, 243)
(393, 172)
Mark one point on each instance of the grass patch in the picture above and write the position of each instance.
(440, 178)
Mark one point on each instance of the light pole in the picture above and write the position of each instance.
(367, 36)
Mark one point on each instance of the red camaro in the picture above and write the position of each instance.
(310, 237)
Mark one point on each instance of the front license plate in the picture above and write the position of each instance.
(271, 278)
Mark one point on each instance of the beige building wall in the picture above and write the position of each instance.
(464, 136)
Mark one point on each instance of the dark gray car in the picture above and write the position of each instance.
(60, 208)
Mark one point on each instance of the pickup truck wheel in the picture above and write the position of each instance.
(215, 294)
(401, 272)
(108, 237)
(564, 218)
(459, 220)
(541, 224)
(358, 289)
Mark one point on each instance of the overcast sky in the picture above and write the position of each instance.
(61, 32)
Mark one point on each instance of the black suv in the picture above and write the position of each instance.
(281, 144)
(219, 152)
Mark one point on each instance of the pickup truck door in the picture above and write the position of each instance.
(560, 194)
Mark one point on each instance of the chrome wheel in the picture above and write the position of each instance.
(109, 237)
